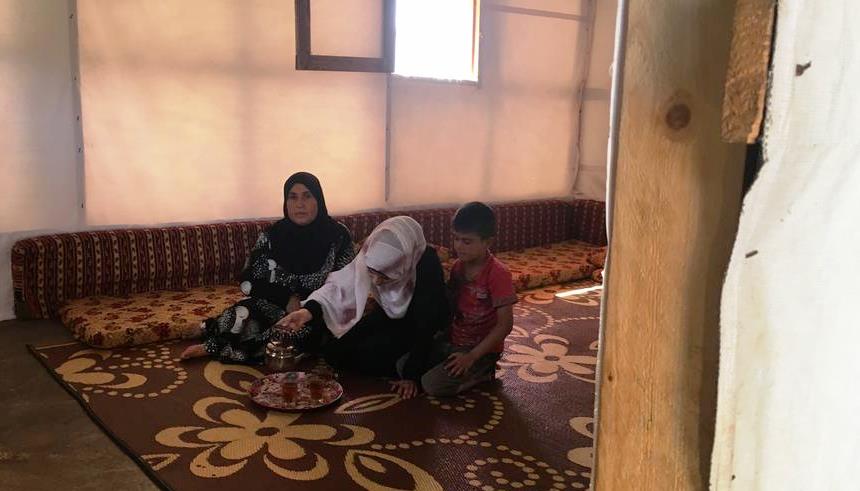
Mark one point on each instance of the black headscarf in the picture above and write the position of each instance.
(303, 249)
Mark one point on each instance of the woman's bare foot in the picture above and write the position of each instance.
(196, 332)
(194, 351)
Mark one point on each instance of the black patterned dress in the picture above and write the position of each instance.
(241, 332)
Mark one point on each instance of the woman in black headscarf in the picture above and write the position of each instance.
(291, 259)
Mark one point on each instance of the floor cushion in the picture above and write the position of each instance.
(548, 265)
(535, 267)
(598, 259)
(111, 322)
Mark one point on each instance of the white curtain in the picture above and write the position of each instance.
(40, 174)
(194, 111)
(39, 187)
(788, 401)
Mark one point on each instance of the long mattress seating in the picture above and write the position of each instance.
(133, 286)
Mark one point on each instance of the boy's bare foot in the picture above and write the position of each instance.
(194, 351)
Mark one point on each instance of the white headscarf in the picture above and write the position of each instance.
(393, 248)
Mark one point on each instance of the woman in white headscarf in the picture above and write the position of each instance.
(403, 275)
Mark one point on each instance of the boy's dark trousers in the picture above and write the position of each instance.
(438, 382)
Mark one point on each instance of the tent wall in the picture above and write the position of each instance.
(193, 111)
(594, 130)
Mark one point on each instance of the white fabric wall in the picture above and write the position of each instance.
(514, 136)
(37, 135)
(40, 185)
(194, 111)
(352, 20)
(788, 400)
(594, 135)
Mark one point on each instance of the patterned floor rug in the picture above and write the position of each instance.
(191, 425)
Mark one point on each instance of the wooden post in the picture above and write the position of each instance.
(677, 194)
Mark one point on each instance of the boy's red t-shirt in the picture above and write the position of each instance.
(475, 302)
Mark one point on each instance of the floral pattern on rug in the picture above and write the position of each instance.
(191, 425)
(550, 358)
(138, 373)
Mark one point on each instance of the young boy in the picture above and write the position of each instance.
(483, 297)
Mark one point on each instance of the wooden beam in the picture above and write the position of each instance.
(307, 60)
(303, 33)
(675, 208)
(344, 64)
(746, 79)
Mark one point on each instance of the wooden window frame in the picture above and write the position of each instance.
(476, 38)
(307, 60)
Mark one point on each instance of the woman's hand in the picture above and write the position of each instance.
(406, 389)
(459, 363)
(295, 320)
(294, 304)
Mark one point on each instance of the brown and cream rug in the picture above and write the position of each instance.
(191, 426)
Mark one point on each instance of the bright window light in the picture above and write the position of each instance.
(437, 39)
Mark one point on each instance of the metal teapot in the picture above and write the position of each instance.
(281, 355)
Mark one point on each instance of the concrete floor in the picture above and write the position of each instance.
(47, 442)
